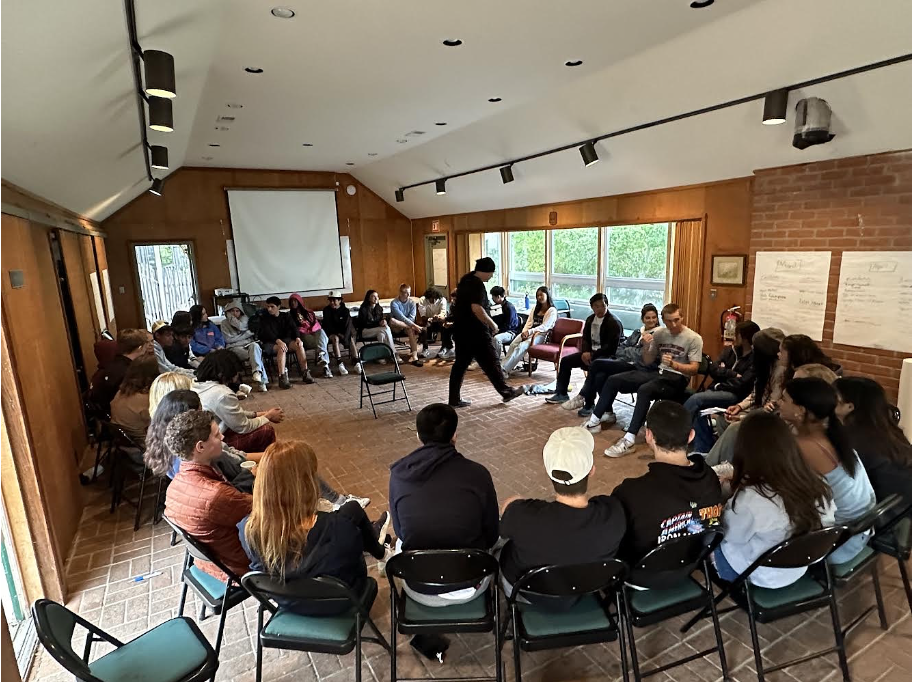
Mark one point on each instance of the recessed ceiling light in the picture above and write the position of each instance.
(574, 62)
(234, 105)
(215, 145)
(307, 144)
(253, 69)
(700, 4)
(282, 12)
(453, 42)
(349, 163)
(372, 153)
(401, 140)
(440, 123)
(222, 128)
(494, 99)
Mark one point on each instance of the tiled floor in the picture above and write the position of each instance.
(355, 452)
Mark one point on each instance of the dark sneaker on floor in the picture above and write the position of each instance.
(284, 382)
(557, 398)
(514, 393)
(381, 526)
(461, 403)
(585, 411)
(417, 363)
(307, 378)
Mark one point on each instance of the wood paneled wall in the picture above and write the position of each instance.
(194, 207)
(726, 207)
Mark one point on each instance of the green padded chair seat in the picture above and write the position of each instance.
(382, 378)
(214, 587)
(332, 629)
(650, 601)
(167, 653)
(587, 614)
(847, 568)
(802, 589)
(476, 609)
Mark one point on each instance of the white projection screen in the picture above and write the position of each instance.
(286, 241)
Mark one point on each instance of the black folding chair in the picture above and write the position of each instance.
(217, 596)
(766, 605)
(539, 625)
(372, 352)
(864, 561)
(441, 570)
(894, 539)
(126, 457)
(671, 591)
(95, 416)
(175, 651)
(337, 633)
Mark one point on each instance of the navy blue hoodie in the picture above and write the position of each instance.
(440, 500)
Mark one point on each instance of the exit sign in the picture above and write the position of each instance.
(435, 226)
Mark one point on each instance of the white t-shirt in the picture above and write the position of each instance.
(597, 332)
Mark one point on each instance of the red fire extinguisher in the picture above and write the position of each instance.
(730, 320)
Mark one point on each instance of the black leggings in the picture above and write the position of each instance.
(354, 511)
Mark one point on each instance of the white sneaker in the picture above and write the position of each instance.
(442, 354)
(363, 501)
(427, 353)
(607, 419)
(357, 368)
(619, 449)
(472, 366)
(327, 372)
(258, 377)
(574, 403)
(447, 354)
(341, 369)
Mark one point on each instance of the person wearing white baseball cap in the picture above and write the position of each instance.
(338, 325)
(574, 528)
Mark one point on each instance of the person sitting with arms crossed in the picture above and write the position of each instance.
(432, 312)
(279, 334)
(403, 316)
(339, 328)
(240, 341)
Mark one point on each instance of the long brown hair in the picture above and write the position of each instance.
(767, 458)
(139, 376)
(871, 426)
(284, 505)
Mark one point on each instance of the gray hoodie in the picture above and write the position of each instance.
(223, 403)
(235, 329)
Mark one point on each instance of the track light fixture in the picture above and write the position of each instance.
(159, 156)
(775, 105)
(506, 173)
(400, 195)
(161, 114)
(590, 156)
(159, 68)
(158, 186)
(441, 186)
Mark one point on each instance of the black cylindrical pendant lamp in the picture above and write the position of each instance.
(775, 105)
(590, 156)
(159, 156)
(400, 195)
(159, 70)
(161, 114)
(441, 186)
(506, 174)
(157, 187)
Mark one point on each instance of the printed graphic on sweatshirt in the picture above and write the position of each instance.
(692, 522)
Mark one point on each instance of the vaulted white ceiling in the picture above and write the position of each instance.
(353, 78)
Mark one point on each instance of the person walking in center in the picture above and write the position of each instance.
(473, 331)
(536, 330)
(403, 315)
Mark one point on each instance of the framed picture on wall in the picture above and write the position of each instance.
(728, 270)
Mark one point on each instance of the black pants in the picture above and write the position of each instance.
(446, 334)
(599, 372)
(372, 545)
(479, 346)
(648, 386)
(567, 364)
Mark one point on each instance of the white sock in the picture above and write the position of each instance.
(630, 437)
(593, 420)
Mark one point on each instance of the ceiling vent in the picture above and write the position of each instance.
(414, 133)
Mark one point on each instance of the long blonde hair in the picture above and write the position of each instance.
(284, 505)
(163, 385)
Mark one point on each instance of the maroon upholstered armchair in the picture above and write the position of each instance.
(565, 340)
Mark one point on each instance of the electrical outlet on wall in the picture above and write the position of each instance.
(712, 294)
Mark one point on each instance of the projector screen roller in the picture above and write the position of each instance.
(286, 241)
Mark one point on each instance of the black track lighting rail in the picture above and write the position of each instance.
(136, 58)
(670, 119)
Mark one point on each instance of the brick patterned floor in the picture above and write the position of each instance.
(355, 453)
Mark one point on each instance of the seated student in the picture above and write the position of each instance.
(873, 431)
(678, 496)
(199, 500)
(809, 407)
(536, 330)
(130, 407)
(207, 337)
(574, 528)
(439, 499)
(279, 334)
(600, 340)
(162, 338)
(372, 321)
(626, 358)
(508, 324)
(403, 318)
(131, 344)
(680, 350)
(339, 328)
(182, 319)
(218, 380)
(776, 496)
(240, 341)
(286, 536)
(310, 332)
(432, 312)
(446, 331)
(179, 351)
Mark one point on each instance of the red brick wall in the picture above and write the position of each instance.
(861, 203)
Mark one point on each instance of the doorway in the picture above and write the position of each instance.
(167, 279)
(436, 263)
(69, 310)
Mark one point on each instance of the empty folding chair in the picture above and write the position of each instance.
(372, 352)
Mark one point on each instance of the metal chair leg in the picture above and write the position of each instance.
(139, 501)
(498, 654)
(517, 662)
(357, 647)
(622, 639)
(837, 627)
(183, 600)
(881, 612)
(393, 633)
(259, 650)
(628, 624)
(904, 574)
(222, 616)
(755, 640)
(717, 630)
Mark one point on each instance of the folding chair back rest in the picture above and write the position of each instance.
(900, 525)
(55, 625)
(674, 560)
(199, 551)
(371, 352)
(442, 567)
(325, 590)
(875, 513)
(575, 580)
(803, 550)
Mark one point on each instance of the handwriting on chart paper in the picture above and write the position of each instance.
(790, 291)
(874, 304)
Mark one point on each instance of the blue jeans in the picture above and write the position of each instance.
(723, 568)
(704, 436)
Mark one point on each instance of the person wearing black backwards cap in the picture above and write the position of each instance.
(474, 332)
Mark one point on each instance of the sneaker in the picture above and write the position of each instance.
(261, 387)
(426, 353)
(388, 553)
(584, 411)
(472, 366)
(258, 377)
(447, 354)
(283, 381)
(357, 368)
(417, 363)
(381, 526)
(514, 393)
(442, 355)
(607, 419)
(460, 403)
(341, 369)
(575, 403)
(327, 372)
(321, 360)
(307, 378)
(345, 499)
(619, 449)
(557, 398)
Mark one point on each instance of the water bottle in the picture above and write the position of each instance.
(526, 301)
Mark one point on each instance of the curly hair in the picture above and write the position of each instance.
(188, 429)
(219, 365)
